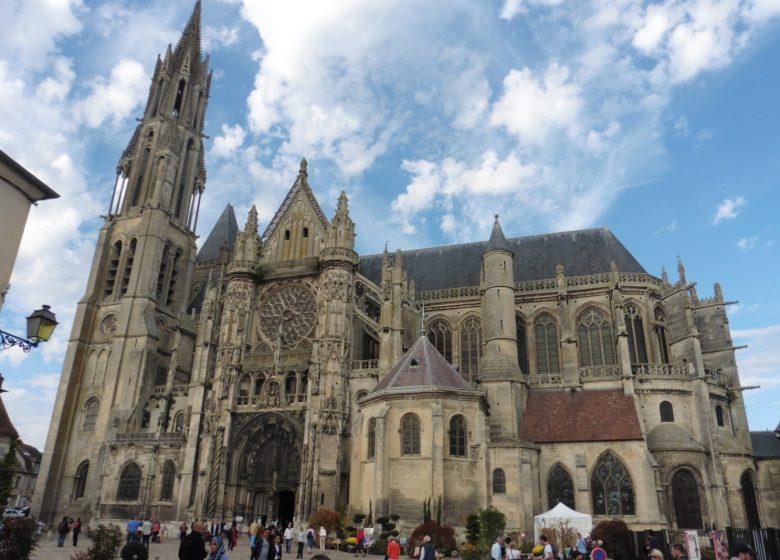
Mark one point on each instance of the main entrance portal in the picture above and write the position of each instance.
(267, 474)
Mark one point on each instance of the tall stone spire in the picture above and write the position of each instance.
(191, 34)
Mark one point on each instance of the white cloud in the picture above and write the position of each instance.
(113, 100)
(759, 363)
(729, 209)
(671, 227)
(29, 405)
(214, 38)
(232, 138)
(531, 108)
(747, 243)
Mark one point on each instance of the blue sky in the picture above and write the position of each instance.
(659, 120)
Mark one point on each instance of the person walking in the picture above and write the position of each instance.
(62, 531)
(301, 542)
(275, 553)
(309, 538)
(323, 537)
(428, 550)
(132, 530)
(146, 532)
(192, 546)
(233, 536)
(678, 552)
(76, 528)
(216, 550)
(288, 538)
(393, 549)
(359, 536)
(495, 550)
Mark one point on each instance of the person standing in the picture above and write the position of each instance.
(359, 536)
(288, 537)
(323, 537)
(216, 551)
(310, 538)
(76, 528)
(132, 530)
(156, 531)
(678, 552)
(393, 549)
(301, 542)
(276, 549)
(428, 550)
(233, 536)
(146, 531)
(62, 531)
(192, 546)
(511, 550)
(495, 550)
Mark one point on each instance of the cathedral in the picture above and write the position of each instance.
(275, 371)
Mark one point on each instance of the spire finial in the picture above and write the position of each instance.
(664, 275)
(192, 28)
(422, 321)
(251, 220)
(304, 169)
(681, 270)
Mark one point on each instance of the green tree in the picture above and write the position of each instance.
(472, 528)
(492, 523)
(18, 538)
(106, 540)
(8, 472)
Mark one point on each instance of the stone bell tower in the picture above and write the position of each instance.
(130, 326)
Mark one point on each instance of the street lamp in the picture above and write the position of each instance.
(40, 326)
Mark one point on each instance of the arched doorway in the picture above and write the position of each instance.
(685, 495)
(749, 498)
(267, 473)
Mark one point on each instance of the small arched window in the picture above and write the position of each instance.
(635, 331)
(458, 436)
(560, 488)
(128, 266)
(719, 416)
(499, 481)
(305, 232)
(667, 411)
(113, 268)
(470, 346)
(80, 480)
(611, 488)
(410, 435)
(174, 278)
(178, 423)
(685, 497)
(287, 235)
(129, 483)
(597, 344)
(146, 419)
(91, 410)
(164, 266)
(168, 476)
(522, 344)
(440, 335)
(371, 443)
(546, 335)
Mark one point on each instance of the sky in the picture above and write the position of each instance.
(658, 120)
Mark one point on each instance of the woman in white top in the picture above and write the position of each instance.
(323, 536)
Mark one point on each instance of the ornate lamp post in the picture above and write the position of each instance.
(40, 326)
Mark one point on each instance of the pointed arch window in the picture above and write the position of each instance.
(635, 331)
(159, 90)
(128, 266)
(91, 410)
(685, 495)
(522, 344)
(440, 335)
(161, 276)
(660, 335)
(178, 423)
(146, 420)
(129, 483)
(174, 278)
(666, 411)
(719, 416)
(611, 488)
(470, 346)
(141, 171)
(168, 477)
(113, 268)
(177, 105)
(458, 439)
(596, 341)
(410, 434)
(80, 480)
(371, 443)
(185, 176)
(499, 481)
(749, 499)
(560, 488)
(546, 335)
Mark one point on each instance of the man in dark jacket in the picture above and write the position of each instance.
(192, 546)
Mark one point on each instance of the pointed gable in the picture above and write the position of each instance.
(423, 370)
(298, 226)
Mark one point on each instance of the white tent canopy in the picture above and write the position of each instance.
(562, 515)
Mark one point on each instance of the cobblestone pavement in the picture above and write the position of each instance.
(167, 551)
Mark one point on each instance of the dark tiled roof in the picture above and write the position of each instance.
(766, 445)
(222, 234)
(561, 416)
(583, 252)
(422, 367)
(6, 426)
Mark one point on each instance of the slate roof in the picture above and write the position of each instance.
(766, 445)
(6, 426)
(582, 252)
(565, 416)
(497, 238)
(223, 233)
(422, 368)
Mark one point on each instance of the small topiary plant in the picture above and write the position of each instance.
(134, 551)
(106, 540)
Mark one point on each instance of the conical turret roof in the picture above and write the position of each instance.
(497, 239)
(223, 234)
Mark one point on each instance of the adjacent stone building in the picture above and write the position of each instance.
(275, 373)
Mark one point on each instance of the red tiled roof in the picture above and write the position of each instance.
(6, 426)
(561, 416)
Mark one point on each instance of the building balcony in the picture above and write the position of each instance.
(661, 371)
(364, 365)
(548, 379)
(599, 373)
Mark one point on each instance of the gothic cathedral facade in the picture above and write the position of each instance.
(274, 374)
